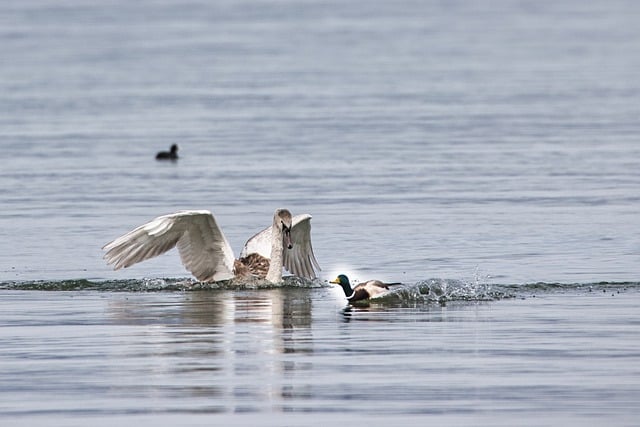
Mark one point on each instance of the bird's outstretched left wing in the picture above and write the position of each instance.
(300, 260)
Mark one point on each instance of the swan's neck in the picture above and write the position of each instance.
(274, 275)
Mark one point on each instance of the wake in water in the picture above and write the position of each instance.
(157, 285)
(442, 291)
(431, 291)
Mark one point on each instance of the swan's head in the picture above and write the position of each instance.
(282, 220)
(174, 149)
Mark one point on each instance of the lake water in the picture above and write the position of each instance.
(485, 155)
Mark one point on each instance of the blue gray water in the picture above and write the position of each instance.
(485, 155)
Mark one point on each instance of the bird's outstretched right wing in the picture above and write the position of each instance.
(203, 248)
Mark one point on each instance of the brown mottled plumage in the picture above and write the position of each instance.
(251, 265)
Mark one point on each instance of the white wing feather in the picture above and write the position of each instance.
(259, 244)
(203, 248)
(300, 260)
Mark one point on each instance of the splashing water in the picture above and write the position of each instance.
(442, 291)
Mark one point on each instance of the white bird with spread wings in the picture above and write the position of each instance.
(206, 253)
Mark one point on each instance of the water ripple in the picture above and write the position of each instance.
(429, 291)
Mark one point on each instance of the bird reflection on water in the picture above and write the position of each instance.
(243, 345)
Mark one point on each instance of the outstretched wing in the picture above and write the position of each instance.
(259, 244)
(203, 248)
(300, 260)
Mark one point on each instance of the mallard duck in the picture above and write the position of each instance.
(168, 155)
(206, 253)
(364, 290)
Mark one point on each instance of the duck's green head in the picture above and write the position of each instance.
(341, 280)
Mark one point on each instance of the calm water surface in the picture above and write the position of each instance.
(296, 356)
(485, 155)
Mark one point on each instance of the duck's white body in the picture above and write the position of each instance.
(206, 253)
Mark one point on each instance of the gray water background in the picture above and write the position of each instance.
(468, 149)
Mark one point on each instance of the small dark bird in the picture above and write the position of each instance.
(168, 155)
(364, 290)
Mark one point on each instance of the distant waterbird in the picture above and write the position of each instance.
(172, 154)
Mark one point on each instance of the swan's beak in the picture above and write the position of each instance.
(287, 237)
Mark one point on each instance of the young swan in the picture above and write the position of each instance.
(206, 253)
(364, 290)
